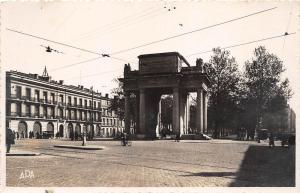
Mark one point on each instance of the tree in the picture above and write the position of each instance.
(266, 91)
(224, 91)
(166, 111)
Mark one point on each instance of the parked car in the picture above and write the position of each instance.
(286, 138)
(261, 134)
(47, 134)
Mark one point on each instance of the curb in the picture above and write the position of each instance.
(81, 147)
(23, 154)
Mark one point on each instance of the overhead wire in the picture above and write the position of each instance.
(125, 50)
(114, 25)
(91, 75)
(190, 32)
(56, 42)
(242, 44)
(138, 20)
(67, 45)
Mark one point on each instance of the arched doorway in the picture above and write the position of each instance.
(77, 131)
(37, 130)
(61, 130)
(22, 129)
(50, 129)
(70, 130)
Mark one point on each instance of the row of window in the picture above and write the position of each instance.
(77, 102)
(49, 112)
(60, 98)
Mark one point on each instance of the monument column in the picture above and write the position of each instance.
(137, 115)
(159, 126)
(176, 113)
(127, 112)
(142, 114)
(199, 116)
(182, 113)
(205, 112)
(187, 113)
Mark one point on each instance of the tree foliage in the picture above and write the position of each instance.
(266, 91)
(224, 91)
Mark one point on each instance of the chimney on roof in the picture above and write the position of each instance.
(106, 95)
(61, 82)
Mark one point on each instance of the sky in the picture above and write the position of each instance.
(107, 27)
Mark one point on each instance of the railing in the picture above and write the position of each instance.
(41, 116)
(15, 96)
(61, 104)
(26, 114)
(60, 117)
(15, 114)
(50, 116)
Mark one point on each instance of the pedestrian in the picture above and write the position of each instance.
(76, 136)
(123, 139)
(271, 140)
(177, 137)
(10, 139)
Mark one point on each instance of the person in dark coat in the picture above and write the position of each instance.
(10, 139)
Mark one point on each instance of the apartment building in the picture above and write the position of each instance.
(38, 105)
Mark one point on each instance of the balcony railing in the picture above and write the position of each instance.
(26, 114)
(15, 114)
(61, 104)
(60, 117)
(15, 96)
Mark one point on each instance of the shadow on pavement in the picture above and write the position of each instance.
(267, 167)
(212, 174)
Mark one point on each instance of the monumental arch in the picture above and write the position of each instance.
(160, 74)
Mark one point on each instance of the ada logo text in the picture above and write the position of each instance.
(27, 174)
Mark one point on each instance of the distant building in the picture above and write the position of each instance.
(41, 105)
(283, 121)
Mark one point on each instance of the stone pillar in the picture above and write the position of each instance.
(176, 112)
(158, 126)
(205, 112)
(187, 113)
(142, 113)
(137, 115)
(127, 112)
(199, 116)
(182, 113)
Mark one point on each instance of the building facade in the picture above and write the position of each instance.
(38, 105)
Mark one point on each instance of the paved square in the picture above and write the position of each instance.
(152, 163)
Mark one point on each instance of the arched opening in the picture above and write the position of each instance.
(50, 129)
(61, 131)
(37, 130)
(22, 129)
(77, 131)
(70, 131)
